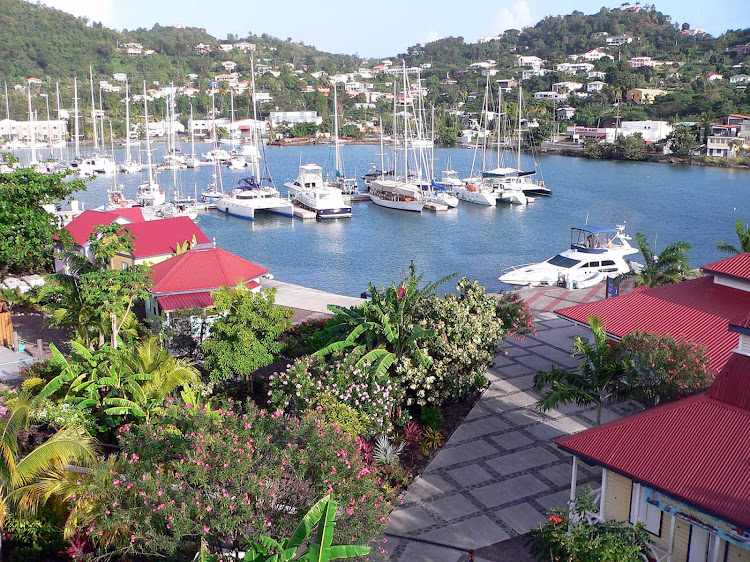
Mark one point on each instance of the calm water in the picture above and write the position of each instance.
(695, 204)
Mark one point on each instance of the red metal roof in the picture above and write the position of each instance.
(696, 449)
(83, 225)
(735, 266)
(204, 269)
(186, 300)
(697, 310)
(160, 237)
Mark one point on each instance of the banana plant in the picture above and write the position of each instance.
(320, 547)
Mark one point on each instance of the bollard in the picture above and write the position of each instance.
(14, 345)
(40, 349)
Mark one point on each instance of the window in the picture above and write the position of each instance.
(698, 545)
(562, 261)
(606, 263)
(591, 264)
(125, 265)
(641, 511)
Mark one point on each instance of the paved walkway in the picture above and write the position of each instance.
(500, 471)
(309, 304)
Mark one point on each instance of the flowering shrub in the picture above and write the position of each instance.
(223, 478)
(468, 330)
(662, 368)
(57, 416)
(515, 315)
(610, 541)
(301, 385)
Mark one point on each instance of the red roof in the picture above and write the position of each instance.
(205, 269)
(696, 449)
(735, 266)
(186, 300)
(160, 237)
(697, 310)
(83, 225)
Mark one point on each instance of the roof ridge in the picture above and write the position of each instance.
(178, 263)
(222, 265)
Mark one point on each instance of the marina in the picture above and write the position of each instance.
(694, 204)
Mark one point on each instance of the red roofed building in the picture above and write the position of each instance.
(81, 227)
(188, 279)
(697, 310)
(682, 468)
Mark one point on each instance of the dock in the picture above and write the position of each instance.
(356, 198)
(436, 207)
(304, 214)
(309, 304)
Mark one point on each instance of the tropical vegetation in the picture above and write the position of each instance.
(743, 236)
(671, 265)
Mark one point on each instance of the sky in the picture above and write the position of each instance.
(380, 28)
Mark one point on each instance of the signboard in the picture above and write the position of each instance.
(722, 529)
(613, 288)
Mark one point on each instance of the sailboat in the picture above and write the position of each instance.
(475, 190)
(149, 193)
(130, 166)
(115, 197)
(397, 193)
(255, 192)
(214, 190)
(434, 192)
(216, 153)
(236, 158)
(348, 186)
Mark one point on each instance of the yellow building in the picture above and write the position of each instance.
(682, 468)
(644, 95)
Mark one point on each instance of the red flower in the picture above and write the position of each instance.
(555, 519)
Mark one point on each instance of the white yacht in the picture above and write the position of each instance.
(596, 252)
(149, 193)
(310, 192)
(216, 154)
(507, 185)
(94, 164)
(397, 195)
(236, 163)
(251, 197)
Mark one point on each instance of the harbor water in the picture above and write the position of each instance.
(668, 203)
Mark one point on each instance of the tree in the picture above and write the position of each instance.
(594, 382)
(629, 147)
(682, 142)
(670, 266)
(19, 473)
(114, 291)
(245, 335)
(743, 235)
(26, 228)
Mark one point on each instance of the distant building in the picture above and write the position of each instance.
(526, 74)
(226, 47)
(595, 86)
(557, 96)
(565, 87)
(565, 113)
(244, 46)
(599, 34)
(591, 56)
(507, 85)
(294, 117)
(574, 67)
(120, 76)
(739, 79)
(229, 65)
(618, 40)
(488, 39)
(643, 96)
(57, 129)
(202, 49)
(533, 62)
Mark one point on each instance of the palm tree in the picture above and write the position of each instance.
(670, 266)
(70, 445)
(596, 380)
(743, 234)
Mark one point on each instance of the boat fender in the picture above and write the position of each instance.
(470, 187)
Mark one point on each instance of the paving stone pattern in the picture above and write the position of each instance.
(500, 471)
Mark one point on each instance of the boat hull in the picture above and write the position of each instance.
(415, 206)
(244, 211)
(478, 197)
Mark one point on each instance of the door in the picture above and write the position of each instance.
(698, 551)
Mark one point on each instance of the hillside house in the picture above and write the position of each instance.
(618, 40)
(595, 86)
(532, 61)
(202, 49)
(574, 67)
(565, 87)
(643, 96)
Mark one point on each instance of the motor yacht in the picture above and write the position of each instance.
(311, 192)
(596, 252)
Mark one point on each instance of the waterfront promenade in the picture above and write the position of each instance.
(308, 304)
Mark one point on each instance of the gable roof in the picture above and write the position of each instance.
(83, 225)
(160, 237)
(734, 266)
(697, 310)
(696, 449)
(205, 269)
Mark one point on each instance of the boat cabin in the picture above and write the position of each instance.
(310, 176)
(594, 239)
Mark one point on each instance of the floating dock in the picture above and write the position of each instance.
(437, 207)
(304, 214)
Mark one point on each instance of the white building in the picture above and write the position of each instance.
(354, 88)
(229, 65)
(244, 46)
(591, 56)
(56, 129)
(556, 96)
(161, 128)
(618, 40)
(294, 117)
(533, 62)
(596, 74)
(262, 97)
(526, 74)
(489, 39)
(119, 76)
(595, 86)
(483, 65)
(565, 113)
(739, 79)
(573, 67)
(653, 131)
(226, 47)
(564, 87)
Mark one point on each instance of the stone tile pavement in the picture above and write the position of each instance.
(500, 472)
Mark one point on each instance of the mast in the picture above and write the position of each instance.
(75, 111)
(255, 139)
(7, 112)
(93, 109)
(49, 126)
(148, 137)
(127, 120)
(192, 133)
(382, 153)
(337, 148)
(406, 127)
(57, 96)
(32, 129)
(518, 154)
(393, 134)
(101, 110)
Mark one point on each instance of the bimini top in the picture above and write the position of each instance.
(595, 229)
(594, 239)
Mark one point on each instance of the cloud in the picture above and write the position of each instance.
(516, 15)
(95, 10)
